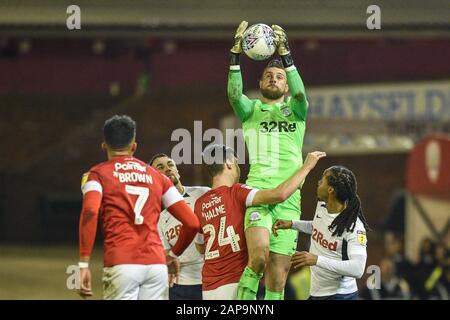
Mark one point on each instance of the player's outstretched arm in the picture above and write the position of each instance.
(242, 106)
(296, 87)
(288, 187)
(299, 225)
(354, 267)
(280, 225)
(190, 226)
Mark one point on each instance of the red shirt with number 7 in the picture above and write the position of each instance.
(132, 194)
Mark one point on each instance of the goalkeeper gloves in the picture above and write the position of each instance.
(237, 46)
(281, 41)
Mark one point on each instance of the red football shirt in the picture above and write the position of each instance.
(221, 214)
(132, 195)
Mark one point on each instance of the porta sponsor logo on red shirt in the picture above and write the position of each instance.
(318, 237)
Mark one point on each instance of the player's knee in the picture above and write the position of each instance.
(258, 264)
(258, 259)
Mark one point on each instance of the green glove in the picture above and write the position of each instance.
(281, 40)
(237, 46)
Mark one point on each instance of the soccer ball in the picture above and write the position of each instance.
(258, 42)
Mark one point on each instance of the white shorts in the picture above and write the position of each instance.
(135, 282)
(225, 292)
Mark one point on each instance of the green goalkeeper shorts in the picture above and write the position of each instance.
(266, 215)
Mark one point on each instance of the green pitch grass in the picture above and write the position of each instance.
(40, 272)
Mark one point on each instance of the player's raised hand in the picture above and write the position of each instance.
(85, 283)
(312, 158)
(237, 44)
(303, 258)
(281, 224)
(281, 40)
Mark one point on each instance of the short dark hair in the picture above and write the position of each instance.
(214, 157)
(119, 131)
(274, 63)
(157, 156)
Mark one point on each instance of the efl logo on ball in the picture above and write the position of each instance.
(258, 42)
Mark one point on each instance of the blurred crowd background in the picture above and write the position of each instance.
(379, 104)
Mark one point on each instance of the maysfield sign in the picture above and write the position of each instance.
(389, 102)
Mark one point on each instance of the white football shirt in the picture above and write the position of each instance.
(341, 259)
(191, 261)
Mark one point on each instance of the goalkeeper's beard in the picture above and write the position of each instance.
(272, 94)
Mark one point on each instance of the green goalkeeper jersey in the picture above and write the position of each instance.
(273, 133)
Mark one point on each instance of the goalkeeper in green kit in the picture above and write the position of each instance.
(273, 128)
